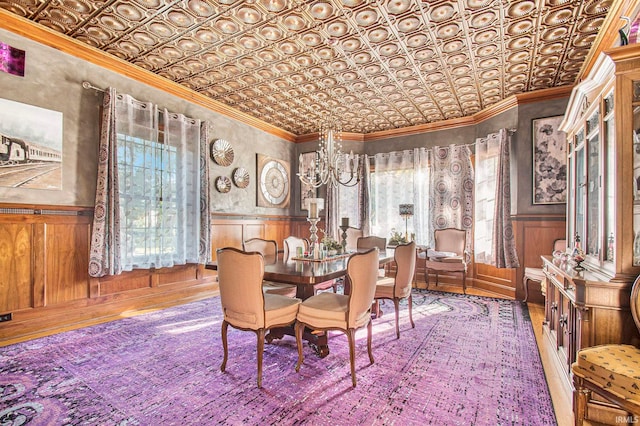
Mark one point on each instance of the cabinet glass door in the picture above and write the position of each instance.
(636, 172)
(609, 176)
(593, 190)
(580, 189)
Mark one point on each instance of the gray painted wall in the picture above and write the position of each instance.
(53, 80)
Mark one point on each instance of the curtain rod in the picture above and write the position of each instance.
(88, 85)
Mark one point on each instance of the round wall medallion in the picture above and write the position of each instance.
(222, 152)
(241, 177)
(223, 184)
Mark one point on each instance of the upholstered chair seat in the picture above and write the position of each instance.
(244, 304)
(269, 249)
(612, 372)
(331, 311)
(450, 255)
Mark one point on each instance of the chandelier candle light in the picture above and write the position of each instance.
(331, 167)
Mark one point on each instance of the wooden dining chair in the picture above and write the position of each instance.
(269, 250)
(346, 313)
(399, 287)
(244, 305)
(291, 245)
(452, 242)
(364, 243)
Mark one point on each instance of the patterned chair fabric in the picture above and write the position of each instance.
(244, 305)
(610, 371)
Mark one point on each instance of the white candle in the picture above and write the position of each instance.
(313, 210)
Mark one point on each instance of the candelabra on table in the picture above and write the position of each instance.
(344, 237)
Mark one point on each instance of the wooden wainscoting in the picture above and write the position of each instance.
(45, 284)
(535, 235)
(231, 230)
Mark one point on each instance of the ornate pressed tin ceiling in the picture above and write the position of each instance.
(378, 65)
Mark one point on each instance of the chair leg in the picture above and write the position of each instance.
(464, 282)
(396, 305)
(369, 334)
(225, 326)
(299, 327)
(351, 336)
(260, 334)
(581, 397)
(410, 300)
(426, 277)
(525, 284)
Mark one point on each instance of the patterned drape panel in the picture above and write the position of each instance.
(149, 189)
(452, 180)
(204, 249)
(503, 239)
(104, 257)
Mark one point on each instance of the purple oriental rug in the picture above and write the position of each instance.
(469, 361)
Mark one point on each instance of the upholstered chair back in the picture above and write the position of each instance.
(405, 257)
(451, 240)
(371, 242)
(362, 271)
(291, 244)
(268, 248)
(240, 280)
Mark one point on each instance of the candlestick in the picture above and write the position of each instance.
(344, 235)
(313, 238)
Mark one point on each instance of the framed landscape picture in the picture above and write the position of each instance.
(307, 164)
(549, 161)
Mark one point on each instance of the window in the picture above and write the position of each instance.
(488, 152)
(349, 204)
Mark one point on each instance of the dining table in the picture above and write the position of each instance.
(304, 273)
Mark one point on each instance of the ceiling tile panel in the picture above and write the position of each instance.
(380, 65)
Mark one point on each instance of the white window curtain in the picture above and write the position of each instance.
(150, 189)
(345, 201)
(494, 238)
(487, 154)
(400, 177)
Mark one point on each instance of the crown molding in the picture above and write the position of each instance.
(487, 113)
(48, 37)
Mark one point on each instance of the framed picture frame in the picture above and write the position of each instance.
(307, 161)
(549, 161)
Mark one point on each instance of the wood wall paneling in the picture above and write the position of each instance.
(535, 236)
(16, 291)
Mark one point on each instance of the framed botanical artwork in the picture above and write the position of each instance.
(549, 161)
(306, 167)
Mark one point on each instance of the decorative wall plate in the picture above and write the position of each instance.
(223, 184)
(222, 152)
(241, 177)
(273, 182)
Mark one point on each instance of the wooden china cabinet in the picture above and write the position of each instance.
(591, 307)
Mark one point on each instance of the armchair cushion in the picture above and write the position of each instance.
(615, 368)
(385, 287)
(325, 310)
(279, 310)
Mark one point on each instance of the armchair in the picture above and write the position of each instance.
(450, 255)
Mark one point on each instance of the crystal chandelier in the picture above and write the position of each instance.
(331, 166)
